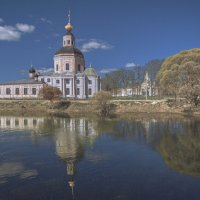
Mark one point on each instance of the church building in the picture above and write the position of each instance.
(69, 75)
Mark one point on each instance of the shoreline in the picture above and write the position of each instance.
(85, 107)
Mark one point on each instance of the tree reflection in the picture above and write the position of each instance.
(181, 151)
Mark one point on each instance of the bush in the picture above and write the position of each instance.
(102, 103)
(50, 93)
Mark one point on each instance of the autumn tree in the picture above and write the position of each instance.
(50, 93)
(180, 75)
(102, 104)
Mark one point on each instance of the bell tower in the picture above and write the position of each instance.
(69, 39)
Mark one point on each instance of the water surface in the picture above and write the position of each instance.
(135, 158)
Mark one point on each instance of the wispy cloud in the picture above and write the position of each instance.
(56, 35)
(95, 44)
(14, 33)
(38, 40)
(108, 70)
(46, 20)
(9, 33)
(45, 70)
(25, 28)
(1, 20)
(129, 65)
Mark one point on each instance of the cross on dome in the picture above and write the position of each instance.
(69, 27)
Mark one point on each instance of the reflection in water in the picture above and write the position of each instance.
(71, 137)
(20, 123)
(182, 151)
(11, 169)
(70, 143)
(177, 141)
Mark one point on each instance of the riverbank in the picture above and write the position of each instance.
(85, 106)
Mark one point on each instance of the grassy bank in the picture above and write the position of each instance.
(82, 107)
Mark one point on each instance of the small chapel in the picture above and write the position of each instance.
(69, 74)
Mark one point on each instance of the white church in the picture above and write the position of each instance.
(69, 75)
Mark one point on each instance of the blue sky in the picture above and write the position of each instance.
(112, 33)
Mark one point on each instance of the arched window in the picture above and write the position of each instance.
(57, 67)
(67, 66)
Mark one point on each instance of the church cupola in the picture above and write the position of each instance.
(69, 39)
(32, 72)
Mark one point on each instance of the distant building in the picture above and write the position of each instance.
(146, 88)
(69, 75)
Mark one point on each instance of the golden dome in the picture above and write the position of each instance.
(69, 27)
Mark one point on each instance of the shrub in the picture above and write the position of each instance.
(50, 93)
(102, 103)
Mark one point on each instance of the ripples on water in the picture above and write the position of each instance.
(78, 158)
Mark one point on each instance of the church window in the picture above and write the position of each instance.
(67, 66)
(57, 67)
(68, 41)
(48, 80)
(33, 91)
(57, 81)
(79, 67)
(25, 91)
(8, 91)
(89, 82)
(90, 91)
(67, 91)
(67, 81)
(77, 81)
(17, 91)
(78, 91)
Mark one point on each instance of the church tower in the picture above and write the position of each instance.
(69, 39)
(69, 58)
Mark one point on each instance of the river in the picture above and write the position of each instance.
(134, 157)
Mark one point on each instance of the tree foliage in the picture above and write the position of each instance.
(132, 77)
(153, 67)
(102, 102)
(50, 93)
(180, 75)
(121, 79)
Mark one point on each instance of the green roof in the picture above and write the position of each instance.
(90, 71)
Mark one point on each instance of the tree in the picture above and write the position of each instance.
(180, 75)
(50, 93)
(153, 67)
(102, 102)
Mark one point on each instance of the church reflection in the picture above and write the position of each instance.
(72, 135)
(177, 140)
(71, 141)
(20, 123)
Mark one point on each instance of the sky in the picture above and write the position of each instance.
(112, 34)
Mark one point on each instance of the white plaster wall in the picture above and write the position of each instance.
(94, 86)
(73, 61)
(21, 91)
